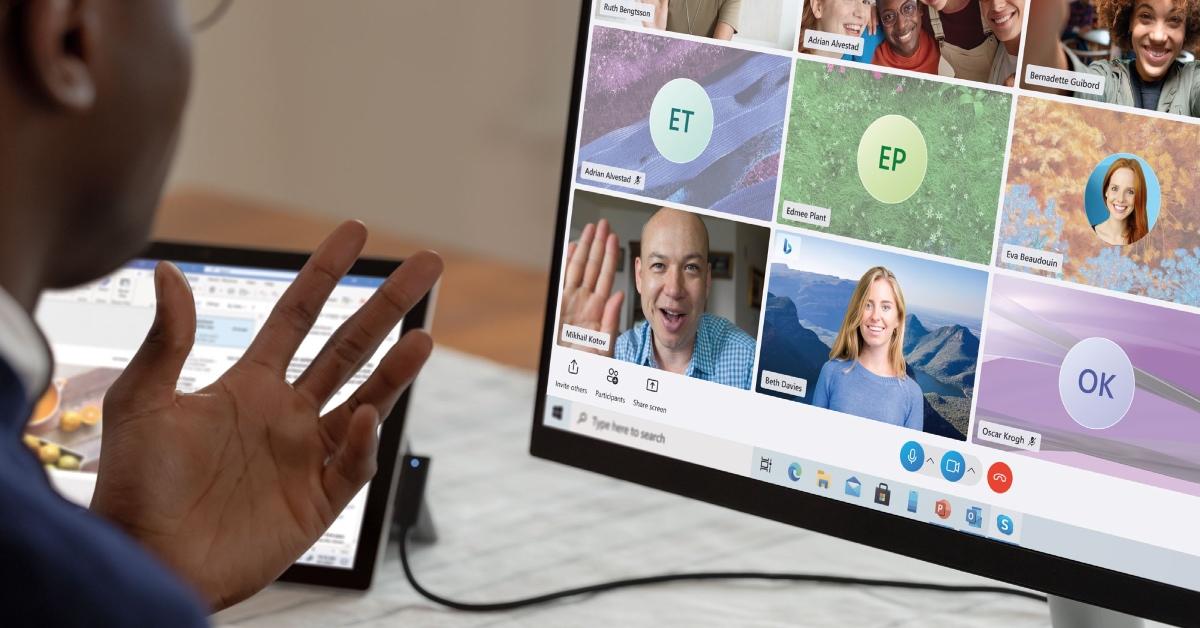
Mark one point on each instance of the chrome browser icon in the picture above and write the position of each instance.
(794, 472)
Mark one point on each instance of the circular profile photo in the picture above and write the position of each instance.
(1122, 199)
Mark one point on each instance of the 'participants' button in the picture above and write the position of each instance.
(1096, 383)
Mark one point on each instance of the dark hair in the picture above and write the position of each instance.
(1117, 16)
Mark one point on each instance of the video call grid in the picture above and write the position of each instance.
(1018, 93)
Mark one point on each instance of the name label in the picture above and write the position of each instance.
(1082, 82)
(832, 42)
(786, 384)
(1032, 258)
(611, 175)
(586, 337)
(626, 9)
(807, 214)
(1010, 436)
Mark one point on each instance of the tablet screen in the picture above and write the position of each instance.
(94, 331)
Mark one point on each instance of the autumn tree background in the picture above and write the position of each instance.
(1055, 148)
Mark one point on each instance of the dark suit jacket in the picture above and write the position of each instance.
(59, 564)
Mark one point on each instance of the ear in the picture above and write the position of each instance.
(637, 273)
(818, 8)
(59, 46)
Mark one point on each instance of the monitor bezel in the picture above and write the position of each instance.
(376, 516)
(1009, 563)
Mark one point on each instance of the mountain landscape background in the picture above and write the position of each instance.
(804, 312)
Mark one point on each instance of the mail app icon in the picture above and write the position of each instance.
(853, 487)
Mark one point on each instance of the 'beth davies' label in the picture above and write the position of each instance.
(786, 384)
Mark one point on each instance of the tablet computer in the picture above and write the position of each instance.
(94, 330)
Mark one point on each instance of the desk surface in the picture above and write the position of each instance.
(509, 298)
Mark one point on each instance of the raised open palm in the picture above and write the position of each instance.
(588, 299)
(231, 484)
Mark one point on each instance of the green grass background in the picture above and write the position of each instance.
(953, 213)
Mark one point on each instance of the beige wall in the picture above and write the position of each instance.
(440, 120)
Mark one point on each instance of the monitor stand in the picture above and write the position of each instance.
(1066, 613)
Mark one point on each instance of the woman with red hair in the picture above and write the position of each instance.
(1125, 198)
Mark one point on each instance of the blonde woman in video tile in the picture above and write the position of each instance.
(1125, 198)
(865, 375)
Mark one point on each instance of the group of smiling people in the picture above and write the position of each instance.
(975, 40)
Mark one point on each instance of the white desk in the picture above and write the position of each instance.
(514, 526)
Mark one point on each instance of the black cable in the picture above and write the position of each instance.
(699, 576)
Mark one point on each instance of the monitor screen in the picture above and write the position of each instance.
(94, 330)
(839, 249)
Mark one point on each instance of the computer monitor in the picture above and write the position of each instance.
(871, 284)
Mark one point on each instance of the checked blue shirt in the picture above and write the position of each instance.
(723, 353)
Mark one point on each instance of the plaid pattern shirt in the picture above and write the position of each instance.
(723, 353)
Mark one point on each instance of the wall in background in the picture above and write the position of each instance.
(441, 120)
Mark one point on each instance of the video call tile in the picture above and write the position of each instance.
(691, 123)
(1088, 204)
(1091, 381)
(827, 301)
(900, 161)
(673, 285)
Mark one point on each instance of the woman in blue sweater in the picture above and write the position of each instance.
(865, 375)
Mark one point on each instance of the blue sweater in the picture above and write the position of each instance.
(63, 566)
(850, 388)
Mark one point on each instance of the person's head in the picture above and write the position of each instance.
(91, 97)
(874, 321)
(1004, 17)
(901, 21)
(841, 17)
(673, 276)
(1125, 197)
(1155, 30)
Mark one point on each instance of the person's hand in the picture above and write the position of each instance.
(872, 21)
(231, 484)
(588, 300)
(660, 14)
